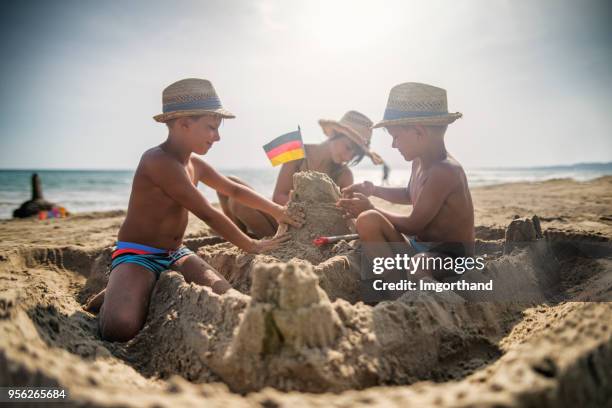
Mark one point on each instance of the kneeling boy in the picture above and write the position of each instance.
(441, 223)
(163, 193)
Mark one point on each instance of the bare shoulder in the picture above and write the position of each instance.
(309, 147)
(451, 164)
(345, 177)
(156, 160)
(448, 172)
(456, 166)
(153, 155)
(345, 171)
(291, 167)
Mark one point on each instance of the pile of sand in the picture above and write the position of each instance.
(337, 266)
(297, 327)
(315, 194)
(290, 336)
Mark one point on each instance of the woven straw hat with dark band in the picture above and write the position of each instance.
(357, 127)
(191, 97)
(413, 103)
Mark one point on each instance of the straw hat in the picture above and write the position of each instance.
(191, 97)
(413, 103)
(357, 127)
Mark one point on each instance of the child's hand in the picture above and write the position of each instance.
(266, 245)
(354, 206)
(295, 217)
(366, 188)
(95, 302)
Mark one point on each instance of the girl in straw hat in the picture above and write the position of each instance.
(164, 191)
(348, 141)
(442, 219)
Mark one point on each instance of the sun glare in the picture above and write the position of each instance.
(346, 24)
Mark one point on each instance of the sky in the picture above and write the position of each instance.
(81, 80)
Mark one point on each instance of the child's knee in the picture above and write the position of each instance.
(119, 326)
(221, 196)
(224, 197)
(368, 220)
(238, 209)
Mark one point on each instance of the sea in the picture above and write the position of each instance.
(102, 190)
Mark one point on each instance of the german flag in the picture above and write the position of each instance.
(285, 148)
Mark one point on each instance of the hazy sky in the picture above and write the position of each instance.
(81, 80)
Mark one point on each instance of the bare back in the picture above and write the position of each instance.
(454, 221)
(154, 218)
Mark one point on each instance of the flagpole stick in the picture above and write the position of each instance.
(304, 148)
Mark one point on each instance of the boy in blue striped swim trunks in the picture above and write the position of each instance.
(441, 223)
(164, 191)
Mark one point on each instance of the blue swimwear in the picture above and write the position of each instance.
(419, 246)
(154, 259)
(452, 249)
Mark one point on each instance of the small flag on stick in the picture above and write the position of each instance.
(285, 148)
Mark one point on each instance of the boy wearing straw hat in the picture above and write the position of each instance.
(441, 223)
(163, 193)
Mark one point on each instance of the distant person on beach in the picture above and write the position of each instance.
(36, 204)
(385, 177)
(163, 193)
(348, 142)
(441, 223)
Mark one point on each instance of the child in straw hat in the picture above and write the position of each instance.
(348, 141)
(442, 219)
(163, 193)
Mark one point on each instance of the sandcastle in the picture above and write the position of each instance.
(290, 336)
(337, 266)
(316, 195)
(303, 328)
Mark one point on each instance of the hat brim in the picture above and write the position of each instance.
(439, 120)
(329, 125)
(164, 117)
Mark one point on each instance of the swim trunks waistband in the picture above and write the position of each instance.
(154, 259)
(133, 248)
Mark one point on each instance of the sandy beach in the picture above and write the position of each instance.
(298, 334)
(493, 290)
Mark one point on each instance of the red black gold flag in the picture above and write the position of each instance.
(285, 148)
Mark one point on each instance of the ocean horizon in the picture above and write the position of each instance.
(81, 190)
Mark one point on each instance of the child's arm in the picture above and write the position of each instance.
(441, 181)
(345, 178)
(284, 182)
(437, 187)
(172, 178)
(396, 195)
(245, 195)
